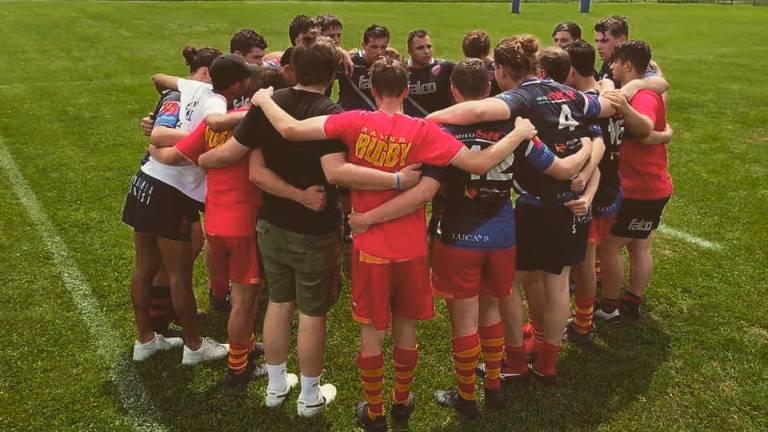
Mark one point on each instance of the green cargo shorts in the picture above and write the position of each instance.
(301, 267)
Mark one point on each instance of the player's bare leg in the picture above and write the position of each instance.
(146, 265)
(640, 271)
(612, 264)
(177, 259)
(580, 329)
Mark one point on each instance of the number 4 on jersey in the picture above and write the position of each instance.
(566, 119)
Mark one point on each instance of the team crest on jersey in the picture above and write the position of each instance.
(436, 70)
(170, 108)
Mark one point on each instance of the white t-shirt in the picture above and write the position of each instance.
(197, 102)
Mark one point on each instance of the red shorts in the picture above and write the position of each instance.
(235, 259)
(460, 273)
(600, 228)
(382, 288)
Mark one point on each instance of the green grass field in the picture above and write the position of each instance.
(74, 83)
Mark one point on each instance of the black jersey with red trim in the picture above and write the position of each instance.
(562, 116)
(609, 189)
(355, 90)
(478, 211)
(429, 88)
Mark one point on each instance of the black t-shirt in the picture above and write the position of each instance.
(429, 88)
(298, 163)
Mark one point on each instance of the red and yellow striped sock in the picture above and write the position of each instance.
(372, 377)
(238, 357)
(466, 351)
(584, 314)
(404, 360)
(546, 360)
(492, 341)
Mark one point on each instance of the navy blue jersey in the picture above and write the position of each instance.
(478, 210)
(429, 88)
(609, 189)
(562, 117)
(166, 113)
(355, 90)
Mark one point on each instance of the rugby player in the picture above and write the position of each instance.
(249, 45)
(231, 208)
(554, 64)
(162, 207)
(471, 258)
(645, 181)
(300, 218)
(331, 27)
(550, 237)
(389, 260)
(477, 44)
(565, 33)
(429, 85)
(355, 88)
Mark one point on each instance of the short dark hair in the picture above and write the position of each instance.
(389, 77)
(414, 34)
(555, 62)
(197, 58)
(375, 31)
(616, 25)
(568, 26)
(300, 24)
(470, 77)
(228, 70)
(518, 55)
(245, 40)
(636, 52)
(476, 44)
(285, 59)
(265, 76)
(315, 61)
(582, 56)
(327, 21)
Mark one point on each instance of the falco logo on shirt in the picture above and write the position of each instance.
(640, 225)
(380, 149)
(418, 88)
(215, 139)
(364, 82)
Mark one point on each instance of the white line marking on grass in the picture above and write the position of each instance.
(696, 241)
(108, 345)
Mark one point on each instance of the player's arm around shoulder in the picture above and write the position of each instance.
(224, 155)
(223, 122)
(480, 162)
(469, 112)
(286, 125)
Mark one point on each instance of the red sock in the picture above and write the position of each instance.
(372, 377)
(531, 345)
(238, 357)
(527, 330)
(516, 363)
(492, 341)
(546, 360)
(466, 350)
(404, 360)
(630, 297)
(584, 314)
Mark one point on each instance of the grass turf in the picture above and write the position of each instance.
(75, 82)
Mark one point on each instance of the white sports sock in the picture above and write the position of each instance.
(310, 388)
(277, 379)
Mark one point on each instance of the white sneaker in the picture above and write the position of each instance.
(275, 398)
(325, 395)
(142, 351)
(602, 315)
(209, 350)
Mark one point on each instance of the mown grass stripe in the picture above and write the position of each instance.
(131, 390)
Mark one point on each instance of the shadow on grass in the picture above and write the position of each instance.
(595, 383)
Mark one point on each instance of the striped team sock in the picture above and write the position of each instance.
(492, 341)
(584, 314)
(372, 377)
(404, 360)
(466, 350)
(238, 357)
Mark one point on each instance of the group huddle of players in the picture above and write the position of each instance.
(280, 169)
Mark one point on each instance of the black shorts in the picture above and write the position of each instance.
(154, 207)
(637, 218)
(549, 238)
